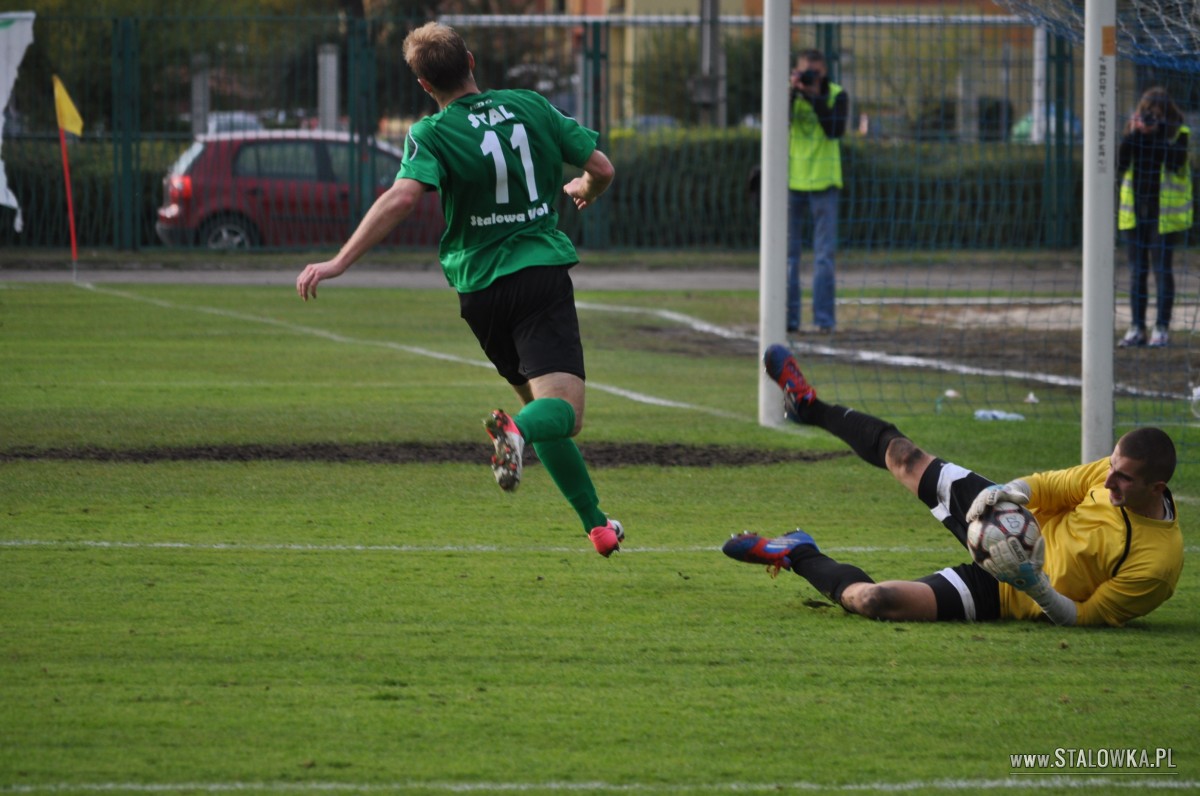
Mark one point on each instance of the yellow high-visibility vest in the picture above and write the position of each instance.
(1175, 209)
(814, 159)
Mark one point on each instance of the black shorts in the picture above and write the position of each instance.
(966, 592)
(526, 323)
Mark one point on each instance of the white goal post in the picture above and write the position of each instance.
(773, 238)
(1101, 117)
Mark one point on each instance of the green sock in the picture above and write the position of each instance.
(546, 423)
(564, 462)
(546, 419)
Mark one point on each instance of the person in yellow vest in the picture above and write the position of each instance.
(818, 122)
(1112, 547)
(1155, 207)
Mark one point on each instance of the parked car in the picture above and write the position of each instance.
(281, 188)
(232, 121)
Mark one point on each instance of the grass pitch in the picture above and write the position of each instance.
(191, 626)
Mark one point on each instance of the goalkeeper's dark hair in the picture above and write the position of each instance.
(1154, 449)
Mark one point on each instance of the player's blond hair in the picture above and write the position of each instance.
(437, 54)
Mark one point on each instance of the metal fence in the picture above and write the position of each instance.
(964, 130)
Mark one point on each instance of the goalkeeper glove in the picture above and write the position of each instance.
(1009, 562)
(1013, 492)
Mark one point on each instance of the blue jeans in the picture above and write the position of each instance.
(824, 208)
(1148, 248)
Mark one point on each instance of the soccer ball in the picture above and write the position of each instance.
(1008, 524)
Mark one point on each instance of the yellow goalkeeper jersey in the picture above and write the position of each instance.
(1116, 565)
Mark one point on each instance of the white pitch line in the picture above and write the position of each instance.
(892, 360)
(696, 325)
(416, 350)
(100, 544)
(959, 301)
(300, 547)
(1041, 782)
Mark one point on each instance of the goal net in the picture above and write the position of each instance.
(1162, 33)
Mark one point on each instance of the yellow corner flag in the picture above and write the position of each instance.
(68, 116)
(68, 122)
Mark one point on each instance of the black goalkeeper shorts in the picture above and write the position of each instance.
(965, 592)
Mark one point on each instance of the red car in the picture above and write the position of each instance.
(283, 188)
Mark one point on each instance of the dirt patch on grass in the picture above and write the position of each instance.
(598, 454)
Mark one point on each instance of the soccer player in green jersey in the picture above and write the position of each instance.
(496, 159)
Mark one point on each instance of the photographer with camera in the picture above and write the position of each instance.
(818, 121)
(1155, 207)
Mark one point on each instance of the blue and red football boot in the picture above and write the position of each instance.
(774, 554)
(781, 366)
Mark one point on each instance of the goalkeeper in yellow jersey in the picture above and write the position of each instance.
(1113, 545)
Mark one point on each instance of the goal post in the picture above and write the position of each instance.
(772, 252)
(1101, 117)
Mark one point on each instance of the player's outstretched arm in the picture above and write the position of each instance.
(598, 174)
(391, 208)
(1058, 608)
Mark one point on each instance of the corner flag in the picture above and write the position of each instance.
(68, 116)
(68, 121)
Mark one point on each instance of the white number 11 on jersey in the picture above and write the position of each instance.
(520, 143)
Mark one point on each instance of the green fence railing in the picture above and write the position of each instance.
(937, 156)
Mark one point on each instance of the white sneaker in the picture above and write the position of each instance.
(1136, 336)
(1159, 338)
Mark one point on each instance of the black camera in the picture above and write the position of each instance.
(1149, 119)
(809, 77)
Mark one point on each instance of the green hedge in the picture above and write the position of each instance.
(946, 195)
(686, 188)
(681, 189)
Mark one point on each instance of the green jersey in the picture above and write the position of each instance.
(496, 159)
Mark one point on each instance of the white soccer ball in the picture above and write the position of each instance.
(1005, 524)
